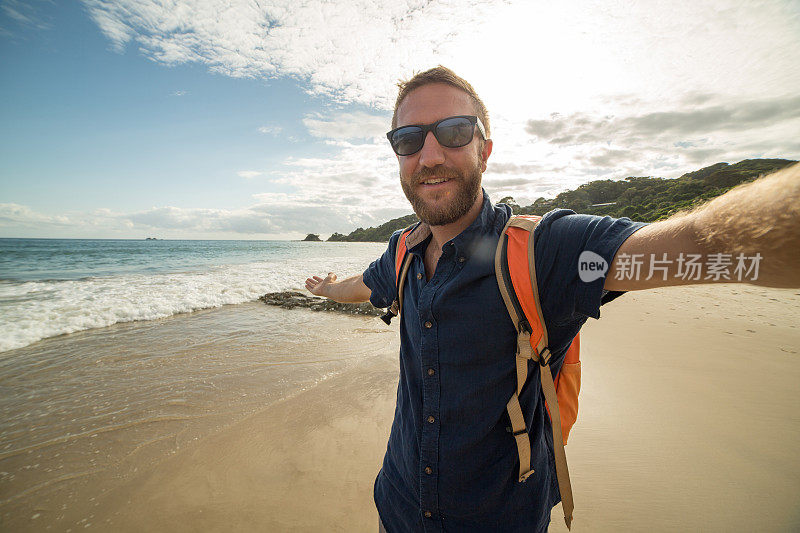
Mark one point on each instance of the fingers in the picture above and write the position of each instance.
(315, 284)
(312, 283)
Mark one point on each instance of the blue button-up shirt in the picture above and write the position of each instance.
(451, 463)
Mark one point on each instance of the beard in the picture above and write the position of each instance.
(440, 213)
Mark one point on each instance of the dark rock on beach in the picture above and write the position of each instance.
(292, 299)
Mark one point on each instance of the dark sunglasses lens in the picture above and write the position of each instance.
(454, 132)
(407, 141)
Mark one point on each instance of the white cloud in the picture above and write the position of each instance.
(350, 51)
(16, 214)
(27, 14)
(270, 130)
(519, 55)
(179, 93)
(273, 216)
(345, 126)
(248, 174)
(11, 9)
(365, 171)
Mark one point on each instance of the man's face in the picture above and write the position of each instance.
(441, 183)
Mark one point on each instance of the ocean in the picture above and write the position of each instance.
(50, 287)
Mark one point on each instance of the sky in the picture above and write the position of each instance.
(249, 119)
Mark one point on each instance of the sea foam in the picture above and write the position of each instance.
(34, 310)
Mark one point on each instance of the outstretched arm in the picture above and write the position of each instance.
(350, 290)
(753, 226)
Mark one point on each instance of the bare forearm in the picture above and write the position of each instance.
(349, 290)
(763, 218)
(757, 224)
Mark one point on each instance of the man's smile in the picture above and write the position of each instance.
(434, 183)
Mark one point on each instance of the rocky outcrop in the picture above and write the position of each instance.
(313, 238)
(292, 299)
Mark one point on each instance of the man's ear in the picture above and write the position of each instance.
(485, 153)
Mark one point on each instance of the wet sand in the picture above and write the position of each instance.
(306, 464)
(92, 418)
(689, 420)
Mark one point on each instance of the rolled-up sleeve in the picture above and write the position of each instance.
(561, 238)
(380, 275)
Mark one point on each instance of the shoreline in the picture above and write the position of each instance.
(60, 288)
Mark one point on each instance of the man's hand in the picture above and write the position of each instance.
(350, 290)
(318, 286)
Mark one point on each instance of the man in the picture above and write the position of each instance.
(451, 463)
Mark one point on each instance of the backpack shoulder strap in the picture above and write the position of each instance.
(402, 260)
(516, 278)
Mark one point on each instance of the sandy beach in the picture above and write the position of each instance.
(689, 420)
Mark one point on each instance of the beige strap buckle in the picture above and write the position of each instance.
(544, 357)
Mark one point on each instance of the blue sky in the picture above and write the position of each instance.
(197, 119)
(94, 127)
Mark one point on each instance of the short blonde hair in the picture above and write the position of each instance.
(444, 75)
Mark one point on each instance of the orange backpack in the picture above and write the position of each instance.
(516, 278)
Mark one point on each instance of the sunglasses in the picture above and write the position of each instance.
(450, 132)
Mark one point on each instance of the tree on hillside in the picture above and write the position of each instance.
(509, 201)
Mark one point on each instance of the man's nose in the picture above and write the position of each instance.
(432, 153)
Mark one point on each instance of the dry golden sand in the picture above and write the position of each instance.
(689, 420)
(690, 413)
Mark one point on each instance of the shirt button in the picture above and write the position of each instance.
(462, 259)
(419, 275)
(431, 371)
(428, 514)
(428, 325)
(428, 470)
(431, 420)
